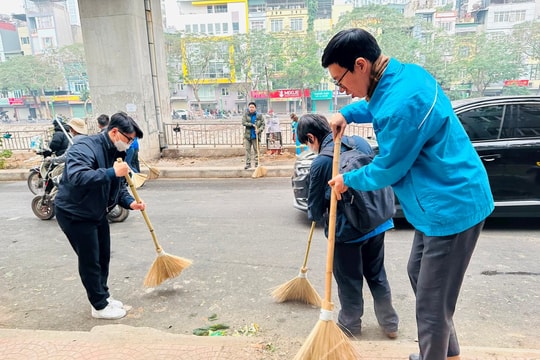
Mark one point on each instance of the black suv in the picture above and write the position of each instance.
(505, 131)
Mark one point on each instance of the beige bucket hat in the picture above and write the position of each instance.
(79, 125)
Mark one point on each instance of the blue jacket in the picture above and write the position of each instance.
(89, 188)
(424, 153)
(319, 193)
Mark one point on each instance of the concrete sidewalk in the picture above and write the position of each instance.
(181, 172)
(122, 342)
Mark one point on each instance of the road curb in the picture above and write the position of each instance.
(181, 172)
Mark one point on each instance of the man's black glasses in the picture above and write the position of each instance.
(130, 139)
(338, 82)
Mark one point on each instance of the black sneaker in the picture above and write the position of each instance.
(247, 166)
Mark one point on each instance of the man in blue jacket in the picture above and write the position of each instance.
(91, 185)
(428, 159)
(355, 256)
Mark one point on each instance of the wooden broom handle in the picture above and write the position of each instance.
(331, 230)
(309, 243)
(145, 216)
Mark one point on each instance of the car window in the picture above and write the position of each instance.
(521, 121)
(482, 123)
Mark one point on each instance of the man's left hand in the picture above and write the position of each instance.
(338, 186)
(137, 206)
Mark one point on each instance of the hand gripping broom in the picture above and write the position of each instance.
(299, 288)
(260, 171)
(165, 266)
(326, 340)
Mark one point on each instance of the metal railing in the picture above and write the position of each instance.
(207, 133)
(231, 134)
(22, 140)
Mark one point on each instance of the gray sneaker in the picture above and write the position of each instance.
(109, 313)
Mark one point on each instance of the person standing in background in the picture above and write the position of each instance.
(132, 156)
(294, 126)
(103, 122)
(253, 123)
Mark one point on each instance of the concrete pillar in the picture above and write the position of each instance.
(125, 56)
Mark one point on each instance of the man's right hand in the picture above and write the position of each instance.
(338, 125)
(121, 169)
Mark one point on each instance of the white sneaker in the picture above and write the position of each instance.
(109, 312)
(115, 303)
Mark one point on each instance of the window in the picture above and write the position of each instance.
(209, 9)
(521, 121)
(276, 25)
(218, 28)
(25, 40)
(195, 28)
(482, 123)
(211, 29)
(509, 16)
(257, 25)
(44, 22)
(224, 91)
(188, 28)
(47, 42)
(235, 27)
(203, 28)
(220, 8)
(79, 87)
(296, 24)
(225, 28)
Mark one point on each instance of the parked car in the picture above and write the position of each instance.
(505, 131)
(181, 114)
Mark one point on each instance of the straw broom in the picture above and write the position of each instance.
(327, 341)
(138, 179)
(299, 288)
(153, 171)
(260, 171)
(165, 266)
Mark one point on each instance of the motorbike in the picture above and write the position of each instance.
(4, 116)
(45, 180)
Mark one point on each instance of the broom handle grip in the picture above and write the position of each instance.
(145, 216)
(309, 244)
(332, 226)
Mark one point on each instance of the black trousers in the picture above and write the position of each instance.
(436, 269)
(91, 241)
(353, 263)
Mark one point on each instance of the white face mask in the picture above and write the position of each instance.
(121, 146)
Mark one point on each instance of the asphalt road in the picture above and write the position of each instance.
(244, 238)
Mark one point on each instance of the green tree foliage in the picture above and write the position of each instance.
(392, 31)
(303, 68)
(258, 57)
(31, 74)
(527, 35)
(488, 60)
(174, 60)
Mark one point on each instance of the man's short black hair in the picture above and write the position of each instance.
(347, 46)
(103, 120)
(314, 124)
(125, 124)
(252, 103)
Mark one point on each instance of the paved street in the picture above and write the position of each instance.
(244, 237)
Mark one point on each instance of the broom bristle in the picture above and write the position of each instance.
(327, 342)
(298, 289)
(138, 179)
(165, 267)
(260, 171)
(153, 173)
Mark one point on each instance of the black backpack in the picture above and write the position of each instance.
(365, 210)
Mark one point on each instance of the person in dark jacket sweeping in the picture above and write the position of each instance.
(59, 141)
(92, 184)
(355, 257)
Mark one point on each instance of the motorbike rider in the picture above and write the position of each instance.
(59, 141)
